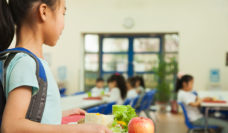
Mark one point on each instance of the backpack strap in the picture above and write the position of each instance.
(2, 102)
(2, 93)
(5, 65)
(37, 104)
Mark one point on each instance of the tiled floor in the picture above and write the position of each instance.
(169, 123)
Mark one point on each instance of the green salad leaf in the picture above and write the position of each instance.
(122, 116)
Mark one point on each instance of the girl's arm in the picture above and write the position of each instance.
(196, 103)
(113, 96)
(14, 118)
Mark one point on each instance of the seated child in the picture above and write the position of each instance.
(117, 89)
(97, 90)
(139, 84)
(192, 102)
(131, 91)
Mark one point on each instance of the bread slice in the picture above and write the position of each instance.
(96, 118)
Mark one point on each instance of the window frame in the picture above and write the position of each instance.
(130, 72)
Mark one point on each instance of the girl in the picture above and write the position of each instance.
(192, 102)
(99, 88)
(117, 88)
(131, 91)
(37, 22)
(139, 84)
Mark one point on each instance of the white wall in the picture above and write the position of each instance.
(202, 24)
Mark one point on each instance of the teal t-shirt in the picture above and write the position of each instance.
(22, 72)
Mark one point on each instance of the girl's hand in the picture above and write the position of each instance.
(78, 112)
(199, 101)
(138, 91)
(93, 128)
(73, 112)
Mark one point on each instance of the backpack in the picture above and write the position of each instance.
(37, 104)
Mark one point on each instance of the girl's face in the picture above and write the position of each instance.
(188, 86)
(54, 24)
(128, 86)
(137, 84)
(100, 84)
(112, 84)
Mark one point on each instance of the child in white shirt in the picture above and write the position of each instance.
(117, 89)
(139, 84)
(192, 102)
(97, 90)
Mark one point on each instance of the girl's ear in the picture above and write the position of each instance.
(43, 9)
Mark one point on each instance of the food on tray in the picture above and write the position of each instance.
(96, 118)
(141, 125)
(122, 116)
(82, 121)
(123, 120)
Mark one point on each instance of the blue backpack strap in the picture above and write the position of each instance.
(37, 104)
(40, 67)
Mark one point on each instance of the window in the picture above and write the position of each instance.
(129, 55)
(91, 58)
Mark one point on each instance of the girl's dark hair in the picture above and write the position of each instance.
(131, 81)
(141, 80)
(120, 82)
(183, 79)
(99, 80)
(12, 14)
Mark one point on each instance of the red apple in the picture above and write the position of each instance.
(141, 125)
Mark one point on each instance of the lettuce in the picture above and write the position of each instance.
(122, 116)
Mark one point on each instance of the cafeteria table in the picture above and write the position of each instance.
(223, 105)
(79, 101)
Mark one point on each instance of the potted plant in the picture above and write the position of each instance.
(165, 87)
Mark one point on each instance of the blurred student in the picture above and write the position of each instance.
(117, 89)
(184, 87)
(140, 89)
(131, 91)
(139, 84)
(99, 88)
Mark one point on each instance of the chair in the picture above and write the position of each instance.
(142, 103)
(127, 102)
(93, 110)
(108, 108)
(190, 126)
(63, 95)
(150, 99)
(101, 108)
(146, 103)
(134, 102)
(62, 92)
(97, 109)
(78, 93)
(195, 93)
